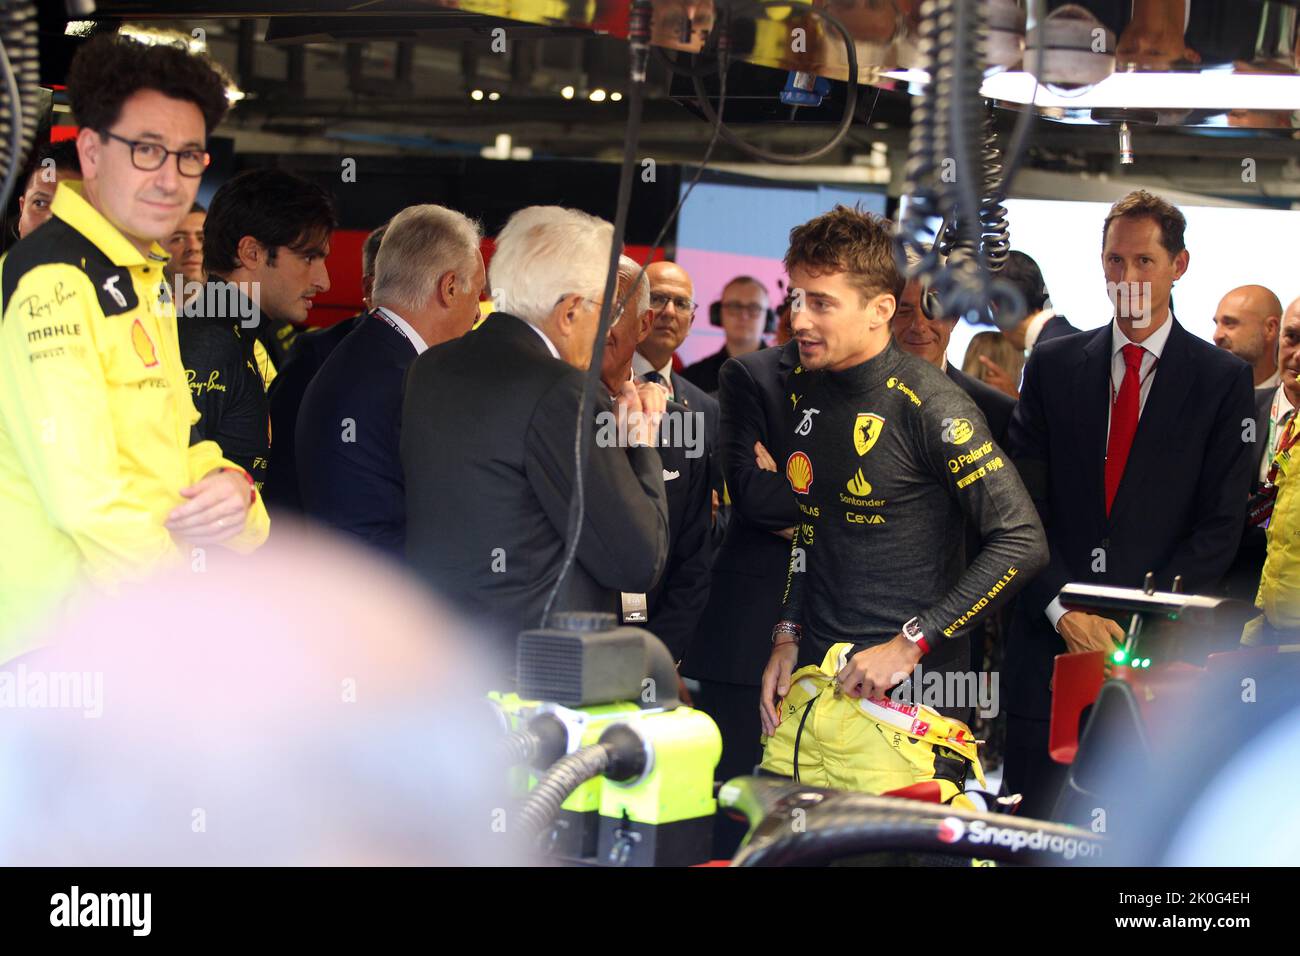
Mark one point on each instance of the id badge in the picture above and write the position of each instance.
(634, 608)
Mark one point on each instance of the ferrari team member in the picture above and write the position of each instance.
(889, 460)
(53, 163)
(98, 479)
(1276, 507)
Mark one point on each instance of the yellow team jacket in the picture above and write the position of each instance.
(95, 417)
(1279, 583)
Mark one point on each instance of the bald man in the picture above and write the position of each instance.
(1273, 406)
(672, 300)
(1246, 324)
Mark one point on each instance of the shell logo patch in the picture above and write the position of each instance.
(143, 345)
(799, 472)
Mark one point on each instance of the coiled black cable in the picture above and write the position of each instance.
(566, 775)
(950, 126)
(19, 61)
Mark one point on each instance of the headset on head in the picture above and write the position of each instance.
(769, 314)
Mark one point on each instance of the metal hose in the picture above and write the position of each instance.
(20, 64)
(565, 776)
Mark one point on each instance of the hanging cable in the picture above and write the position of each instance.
(851, 90)
(20, 67)
(639, 38)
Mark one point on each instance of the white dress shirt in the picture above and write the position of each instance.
(1154, 345)
(1273, 381)
(641, 366)
(412, 336)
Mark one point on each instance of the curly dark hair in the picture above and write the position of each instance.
(274, 207)
(852, 241)
(110, 68)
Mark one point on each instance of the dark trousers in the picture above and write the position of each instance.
(1030, 770)
(734, 708)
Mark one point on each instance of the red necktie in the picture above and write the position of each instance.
(1123, 421)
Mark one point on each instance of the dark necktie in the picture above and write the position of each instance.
(1123, 421)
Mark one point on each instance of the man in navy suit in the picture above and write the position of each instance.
(428, 278)
(1131, 439)
(674, 604)
(672, 298)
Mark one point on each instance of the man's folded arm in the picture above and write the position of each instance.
(763, 497)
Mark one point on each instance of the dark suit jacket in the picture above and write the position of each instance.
(487, 454)
(997, 406)
(734, 638)
(293, 374)
(705, 372)
(697, 400)
(347, 438)
(678, 600)
(1054, 328)
(1180, 506)
(1242, 580)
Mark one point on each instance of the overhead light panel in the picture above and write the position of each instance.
(1212, 90)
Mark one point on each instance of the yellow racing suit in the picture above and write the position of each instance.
(95, 417)
(828, 739)
(1279, 583)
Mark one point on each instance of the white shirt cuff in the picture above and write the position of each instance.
(1055, 611)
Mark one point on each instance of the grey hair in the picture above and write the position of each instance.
(421, 244)
(630, 271)
(545, 253)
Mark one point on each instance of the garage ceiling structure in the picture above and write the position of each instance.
(547, 76)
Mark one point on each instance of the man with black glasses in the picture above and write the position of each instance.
(745, 314)
(672, 299)
(99, 481)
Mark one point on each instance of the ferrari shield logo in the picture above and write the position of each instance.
(866, 430)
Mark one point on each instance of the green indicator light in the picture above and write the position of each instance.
(1119, 657)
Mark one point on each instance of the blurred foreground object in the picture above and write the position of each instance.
(338, 723)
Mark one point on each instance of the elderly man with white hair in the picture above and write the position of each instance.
(488, 435)
(428, 279)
